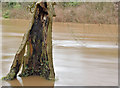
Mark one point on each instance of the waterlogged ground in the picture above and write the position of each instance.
(83, 54)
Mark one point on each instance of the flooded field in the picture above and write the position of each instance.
(83, 54)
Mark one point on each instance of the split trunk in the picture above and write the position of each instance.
(35, 52)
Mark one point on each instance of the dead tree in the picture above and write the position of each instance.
(35, 52)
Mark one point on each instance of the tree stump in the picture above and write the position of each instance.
(35, 52)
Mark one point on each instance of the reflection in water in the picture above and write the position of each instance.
(83, 54)
(72, 43)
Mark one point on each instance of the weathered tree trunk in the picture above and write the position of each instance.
(35, 53)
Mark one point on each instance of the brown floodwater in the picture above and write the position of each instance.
(83, 54)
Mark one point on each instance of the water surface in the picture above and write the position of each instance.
(83, 54)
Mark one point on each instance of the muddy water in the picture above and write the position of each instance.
(83, 54)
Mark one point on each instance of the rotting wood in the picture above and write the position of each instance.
(37, 43)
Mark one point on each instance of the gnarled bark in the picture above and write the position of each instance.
(35, 52)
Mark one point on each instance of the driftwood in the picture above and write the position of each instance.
(35, 52)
